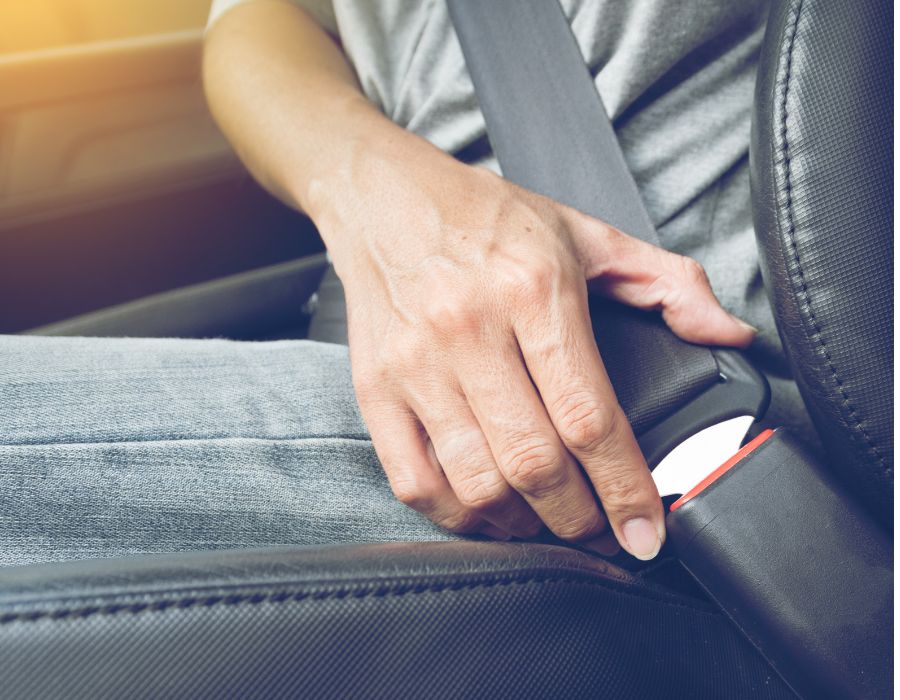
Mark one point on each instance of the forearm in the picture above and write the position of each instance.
(285, 96)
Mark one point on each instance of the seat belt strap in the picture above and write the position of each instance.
(545, 119)
(551, 134)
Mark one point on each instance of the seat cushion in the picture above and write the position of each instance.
(434, 620)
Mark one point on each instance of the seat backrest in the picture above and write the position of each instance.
(822, 177)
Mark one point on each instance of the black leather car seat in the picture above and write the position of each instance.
(822, 172)
(514, 620)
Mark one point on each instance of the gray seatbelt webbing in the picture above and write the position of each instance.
(551, 134)
(545, 119)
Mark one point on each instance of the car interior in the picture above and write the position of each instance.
(116, 186)
(125, 212)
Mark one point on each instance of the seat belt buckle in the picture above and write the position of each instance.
(796, 563)
(747, 515)
(696, 441)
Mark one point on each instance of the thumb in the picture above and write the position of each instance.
(647, 277)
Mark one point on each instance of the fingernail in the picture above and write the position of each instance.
(746, 326)
(607, 545)
(642, 538)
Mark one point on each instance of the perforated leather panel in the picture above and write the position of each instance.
(823, 203)
(428, 620)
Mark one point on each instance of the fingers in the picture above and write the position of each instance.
(647, 277)
(527, 450)
(470, 469)
(573, 385)
(415, 477)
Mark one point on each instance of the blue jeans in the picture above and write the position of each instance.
(129, 446)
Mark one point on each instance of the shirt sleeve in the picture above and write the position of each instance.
(321, 10)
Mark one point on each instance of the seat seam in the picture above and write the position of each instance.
(799, 277)
(250, 599)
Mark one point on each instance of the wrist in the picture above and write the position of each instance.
(376, 166)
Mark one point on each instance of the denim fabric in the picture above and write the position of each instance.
(127, 446)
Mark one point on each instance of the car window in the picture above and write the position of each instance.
(29, 25)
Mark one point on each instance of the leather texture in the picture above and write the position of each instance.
(435, 620)
(821, 164)
(751, 539)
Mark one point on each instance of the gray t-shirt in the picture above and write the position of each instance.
(677, 78)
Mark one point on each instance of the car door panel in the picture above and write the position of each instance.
(115, 183)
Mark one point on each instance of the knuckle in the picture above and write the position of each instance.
(584, 423)
(529, 279)
(482, 491)
(413, 493)
(459, 522)
(621, 491)
(450, 311)
(533, 467)
(694, 273)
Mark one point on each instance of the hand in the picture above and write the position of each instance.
(473, 358)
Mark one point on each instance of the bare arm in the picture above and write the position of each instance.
(282, 91)
(472, 352)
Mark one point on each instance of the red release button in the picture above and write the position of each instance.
(738, 456)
